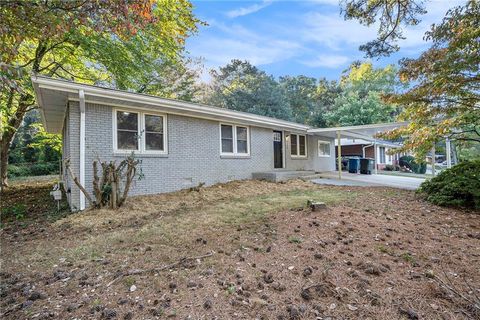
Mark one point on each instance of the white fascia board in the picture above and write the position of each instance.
(65, 86)
(381, 126)
(40, 103)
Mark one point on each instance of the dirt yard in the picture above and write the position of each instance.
(243, 250)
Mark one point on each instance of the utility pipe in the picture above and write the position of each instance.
(339, 160)
(81, 96)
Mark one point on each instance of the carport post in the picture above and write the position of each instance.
(339, 159)
(433, 160)
(449, 152)
(375, 155)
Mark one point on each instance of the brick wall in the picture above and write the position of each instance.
(193, 153)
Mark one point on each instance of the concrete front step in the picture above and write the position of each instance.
(276, 176)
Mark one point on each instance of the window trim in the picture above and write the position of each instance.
(141, 131)
(319, 142)
(380, 155)
(297, 154)
(235, 152)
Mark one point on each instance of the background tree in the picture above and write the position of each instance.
(390, 15)
(300, 94)
(445, 98)
(243, 87)
(93, 41)
(325, 95)
(360, 101)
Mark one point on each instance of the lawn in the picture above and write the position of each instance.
(246, 250)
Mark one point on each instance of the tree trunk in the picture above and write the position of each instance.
(7, 137)
(3, 166)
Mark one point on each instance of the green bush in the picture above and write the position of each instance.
(40, 169)
(36, 169)
(18, 171)
(458, 186)
(410, 163)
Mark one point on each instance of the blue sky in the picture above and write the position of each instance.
(294, 37)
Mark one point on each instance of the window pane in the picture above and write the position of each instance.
(227, 132)
(127, 140)
(323, 148)
(127, 120)
(293, 144)
(302, 145)
(242, 146)
(241, 133)
(227, 145)
(154, 141)
(153, 123)
(242, 140)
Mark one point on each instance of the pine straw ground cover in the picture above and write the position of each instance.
(253, 251)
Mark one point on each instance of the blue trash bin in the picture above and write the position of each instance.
(353, 165)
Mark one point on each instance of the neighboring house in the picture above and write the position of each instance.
(365, 149)
(180, 144)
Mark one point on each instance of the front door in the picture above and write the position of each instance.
(277, 149)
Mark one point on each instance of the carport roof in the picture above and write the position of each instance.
(366, 132)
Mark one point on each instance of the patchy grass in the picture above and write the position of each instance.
(373, 253)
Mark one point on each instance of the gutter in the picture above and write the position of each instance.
(93, 91)
(81, 96)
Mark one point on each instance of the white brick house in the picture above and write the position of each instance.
(180, 144)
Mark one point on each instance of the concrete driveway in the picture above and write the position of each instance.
(364, 180)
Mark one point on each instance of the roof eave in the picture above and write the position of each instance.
(66, 86)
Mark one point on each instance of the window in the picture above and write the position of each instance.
(234, 140)
(323, 148)
(382, 154)
(227, 139)
(293, 144)
(137, 131)
(298, 145)
(242, 140)
(154, 132)
(127, 130)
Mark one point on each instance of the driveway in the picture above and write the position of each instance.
(365, 180)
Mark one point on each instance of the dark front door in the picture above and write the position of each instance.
(277, 149)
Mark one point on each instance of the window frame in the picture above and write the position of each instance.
(141, 132)
(319, 142)
(297, 154)
(382, 155)
(235, 152)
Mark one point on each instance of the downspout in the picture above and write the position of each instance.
(365, 147)
(81, 96)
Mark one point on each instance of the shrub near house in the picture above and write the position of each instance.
(457, 186)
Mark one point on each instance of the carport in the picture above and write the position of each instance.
(365, 132)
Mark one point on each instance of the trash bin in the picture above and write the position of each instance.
(353, 165)
(366, 165)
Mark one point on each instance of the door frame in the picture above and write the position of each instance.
(283, 151)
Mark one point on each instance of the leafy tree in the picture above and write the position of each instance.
(392, 15)
(178, 80)
(325, 95)
(360, 101)
(93, 41)
(243, 87)
(444, 100)
(300, 94)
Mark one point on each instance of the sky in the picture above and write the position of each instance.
(294, 37)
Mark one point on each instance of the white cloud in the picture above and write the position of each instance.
(248, 10)
(334, 32)
(219, 51)
(327, 61)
